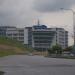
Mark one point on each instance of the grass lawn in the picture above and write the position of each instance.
(11, 47)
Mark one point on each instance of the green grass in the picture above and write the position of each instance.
(6, 53)
(12, 47)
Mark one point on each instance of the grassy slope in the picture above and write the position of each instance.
(10, 47)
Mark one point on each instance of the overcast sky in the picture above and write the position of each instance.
(23, 13)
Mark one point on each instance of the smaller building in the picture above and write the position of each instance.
(12, 32)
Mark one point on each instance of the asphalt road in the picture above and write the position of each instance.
(36, 65)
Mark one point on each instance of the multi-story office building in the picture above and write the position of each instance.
(12, 32)
(41, 38)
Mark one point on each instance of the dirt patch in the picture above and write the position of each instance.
(10, 49)
(6, 47)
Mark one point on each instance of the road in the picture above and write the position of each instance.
(36, 65)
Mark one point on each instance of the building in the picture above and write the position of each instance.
(28, 36)
(12, 32)
(20, 34)
(40, 37)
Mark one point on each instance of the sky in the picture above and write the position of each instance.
(22, 13)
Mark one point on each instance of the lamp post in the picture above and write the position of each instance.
(73, 12)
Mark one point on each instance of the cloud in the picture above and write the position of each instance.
(21, 13)
(16, 12)
(52, 5)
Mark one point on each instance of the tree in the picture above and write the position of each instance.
(50, 51)
(58, 49)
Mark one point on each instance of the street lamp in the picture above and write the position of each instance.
(73, 51)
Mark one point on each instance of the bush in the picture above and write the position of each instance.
(56, 49)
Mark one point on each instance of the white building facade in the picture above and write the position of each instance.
(40, 37)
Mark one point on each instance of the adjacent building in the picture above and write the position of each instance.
(12, 32)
